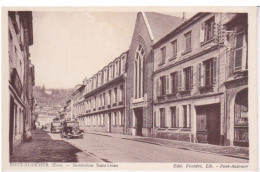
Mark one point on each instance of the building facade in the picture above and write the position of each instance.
(192, 67)
(139, 81)
(180, 79)
(100, 101)
(21, 78)
(237, 82)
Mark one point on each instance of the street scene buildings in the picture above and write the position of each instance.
(21, 76)
(183, 82)
(182, 86)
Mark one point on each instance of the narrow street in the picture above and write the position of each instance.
(50, 147)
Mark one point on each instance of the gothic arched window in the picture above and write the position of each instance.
(139, 73)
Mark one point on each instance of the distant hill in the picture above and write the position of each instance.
(51, 96)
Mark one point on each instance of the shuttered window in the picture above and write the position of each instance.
(188, 41)
(208, 72)
(162, 85)
(174, 48)
(209, 29)
(180, 80)
(174, 82)
(185, 116)
(202, 32)
(162, 118)
(188, 78)
(158, 87)
(163, 52)
(174, 122)
(238, 51)
(215, 69)
(167, 84)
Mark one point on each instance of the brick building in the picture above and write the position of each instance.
(21, 76)
(194, 85)
(149, 27)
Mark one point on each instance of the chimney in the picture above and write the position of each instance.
(184, 17)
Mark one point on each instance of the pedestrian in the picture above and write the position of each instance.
(29, 135)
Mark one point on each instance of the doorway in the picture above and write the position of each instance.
(139, 121)
(11, 126)
(109, 123)
(208, 124)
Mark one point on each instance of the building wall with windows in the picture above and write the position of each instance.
(149, 27)
(78, 101)
(190, 70)
(139, 82)
(103, 107)
(21, 78)
(237, 82)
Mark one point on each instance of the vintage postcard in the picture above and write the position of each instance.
(120, 88)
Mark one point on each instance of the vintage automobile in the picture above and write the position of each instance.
(55, 127)
(70, 129)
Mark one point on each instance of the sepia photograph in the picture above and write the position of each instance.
(97, 88)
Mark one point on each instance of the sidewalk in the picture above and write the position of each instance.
(231, 151)
(44, 149)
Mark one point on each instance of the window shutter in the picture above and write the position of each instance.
(183, 79)
(199, 74)
(191, 77)
(176, 81)
(167, 84)
(163, 118)
(244, 54)
(158, 87)
(202, 32)
(177, 116)
(119, 118)
(215, 60)
(155, 124)
(158, 119)
(180, 80)
(231, 63)
(202, 78)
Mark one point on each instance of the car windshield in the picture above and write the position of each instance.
(56, 124)
(72, 124)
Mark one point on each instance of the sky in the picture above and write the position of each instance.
(69, 46)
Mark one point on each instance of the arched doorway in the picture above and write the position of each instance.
(241, 118)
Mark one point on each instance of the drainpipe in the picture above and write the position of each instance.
(125, 77)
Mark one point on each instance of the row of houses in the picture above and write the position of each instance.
(180, 79)
(21, 76)
(45, 114)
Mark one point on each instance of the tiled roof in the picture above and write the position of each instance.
(162, 24)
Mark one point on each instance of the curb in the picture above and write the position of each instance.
(183, 148)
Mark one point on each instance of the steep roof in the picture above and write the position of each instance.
(162, 24)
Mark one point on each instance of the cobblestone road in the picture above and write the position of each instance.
(44, 149)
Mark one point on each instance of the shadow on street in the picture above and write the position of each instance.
(44, 149)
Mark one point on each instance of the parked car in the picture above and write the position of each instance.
(55, 127)
(70, 129)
